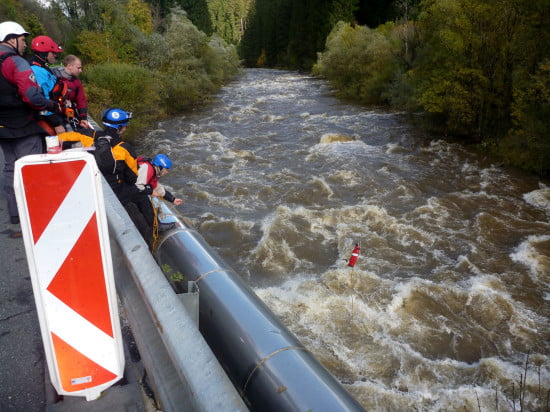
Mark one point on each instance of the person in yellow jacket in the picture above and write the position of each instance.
(119, 168)
(117, 161)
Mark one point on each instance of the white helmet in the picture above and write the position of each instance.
(11, 27)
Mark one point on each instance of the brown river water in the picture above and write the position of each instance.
(448, 306)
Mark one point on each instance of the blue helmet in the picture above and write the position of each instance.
(115, 118)
(163, 161)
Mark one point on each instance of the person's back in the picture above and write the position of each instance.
(115, 157)
(125, 171)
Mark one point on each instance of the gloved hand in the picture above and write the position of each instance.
(54, 107)
(84, 123)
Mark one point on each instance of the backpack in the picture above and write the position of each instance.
(104, 156)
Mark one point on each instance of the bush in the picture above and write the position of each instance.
(180, 69)
(221, 60)
(197, 65)
(527, 145)
(361, 63)
(126, 86)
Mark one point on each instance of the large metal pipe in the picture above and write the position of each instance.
(266, 362)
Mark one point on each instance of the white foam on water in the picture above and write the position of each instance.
(539, 198)
(345, 178)
(347, 149)
(366, 339)
(393, 148)
(538, 262)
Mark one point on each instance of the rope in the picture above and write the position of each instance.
(155, 233)
(158, 213)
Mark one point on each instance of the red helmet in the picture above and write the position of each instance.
(45, 44)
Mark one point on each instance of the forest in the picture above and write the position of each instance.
(478, 71)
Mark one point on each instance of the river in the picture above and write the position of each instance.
(447, 307)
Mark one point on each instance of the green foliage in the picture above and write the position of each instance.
(291, 32)
(140, 15)
(472, 60)
(180, 68)
(343, 10)
(528, 143)
(229, 18)
(197, 12)
(197, 67)
(224, 18)
(362, 63)
(221, 60)
(171, 274)
(96, 47)
(190, 80)
(153, 51)
(267, 33)
(126, 86)
(458, 97)
(9, 11)
(26, 16)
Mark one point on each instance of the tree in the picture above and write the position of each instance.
(140, 15)
(291, 33)
(362, 63)
(197, 12)
(228, 18)
(462, 65)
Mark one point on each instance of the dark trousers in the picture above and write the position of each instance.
(139, 208)
(15, 149)
(142, 225)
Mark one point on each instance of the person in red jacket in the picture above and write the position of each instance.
(147, 182)
(20, 101)
(149, 172)
(78, 113)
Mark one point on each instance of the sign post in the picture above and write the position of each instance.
(64, 226)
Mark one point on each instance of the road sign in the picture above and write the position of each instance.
(64, 226)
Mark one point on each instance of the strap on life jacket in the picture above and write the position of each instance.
(143, 159)
(59, 90)
(44, 125)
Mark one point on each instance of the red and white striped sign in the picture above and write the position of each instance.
(63, 220)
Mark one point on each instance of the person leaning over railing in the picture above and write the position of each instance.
(149, 172)
(116, 159)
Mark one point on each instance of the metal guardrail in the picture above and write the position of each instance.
(184, 372)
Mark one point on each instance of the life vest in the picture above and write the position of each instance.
(8, 91)
(13, 111)
(152, 178)
(16, 117)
